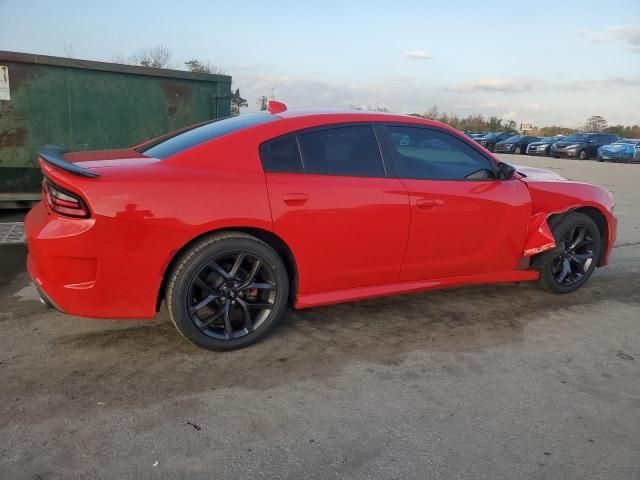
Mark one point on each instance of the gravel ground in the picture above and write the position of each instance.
(484, 382)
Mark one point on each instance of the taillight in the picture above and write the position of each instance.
(63, 201)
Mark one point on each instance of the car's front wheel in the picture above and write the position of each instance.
(227, 291)
(518, 150)
(582, 155)
(578, 246)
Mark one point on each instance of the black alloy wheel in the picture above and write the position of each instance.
(569, 265)
(576, 256)
(231, 295)
(227, 291)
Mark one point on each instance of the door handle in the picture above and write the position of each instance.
(428, 204)
(295, 199)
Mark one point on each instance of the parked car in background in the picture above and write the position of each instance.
(474, 135)
(232, 220)
(624, 150)
(516, 144)
(543, 146)
(581, 145)
(489, 140)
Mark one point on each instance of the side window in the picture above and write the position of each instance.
(424, 153)
(281, 156)
(350, 150)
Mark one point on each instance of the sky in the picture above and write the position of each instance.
(546, 62)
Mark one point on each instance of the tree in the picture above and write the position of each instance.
(154, 57)
(595, 123)
(237, 102)
(263, 103)
(196, 66)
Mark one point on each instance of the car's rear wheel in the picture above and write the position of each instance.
(578, 246)
(582, 155)
(227, 291)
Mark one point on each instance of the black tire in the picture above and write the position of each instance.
(207, 271)
(547, 152)
(582, 155)
(518, 150)
(570, 250)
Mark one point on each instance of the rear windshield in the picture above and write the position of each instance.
(170, 145)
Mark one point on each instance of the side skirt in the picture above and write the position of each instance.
(362, 293)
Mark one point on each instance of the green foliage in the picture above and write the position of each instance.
(262, 102)
(237, 102)
(632, 131)
(196, 66)
(551, 131)
(472, 123)
(595, 123)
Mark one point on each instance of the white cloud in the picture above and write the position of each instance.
(418, 55)
(628, 34)
(493, 85)
(542, 102)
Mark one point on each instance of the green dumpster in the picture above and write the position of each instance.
(87, 105)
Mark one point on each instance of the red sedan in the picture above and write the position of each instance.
(231, 220)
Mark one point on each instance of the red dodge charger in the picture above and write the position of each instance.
(231, 220)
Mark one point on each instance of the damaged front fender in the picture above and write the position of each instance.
(540, 237)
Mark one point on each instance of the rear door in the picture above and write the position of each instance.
(334, 203)
(463, 220)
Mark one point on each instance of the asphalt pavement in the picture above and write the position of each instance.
(485, 382)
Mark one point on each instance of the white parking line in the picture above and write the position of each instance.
(12, 232)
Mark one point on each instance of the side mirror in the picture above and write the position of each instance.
(505, 171)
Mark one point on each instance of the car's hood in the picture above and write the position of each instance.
(533, 174)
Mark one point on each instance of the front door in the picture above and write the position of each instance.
(463, 220)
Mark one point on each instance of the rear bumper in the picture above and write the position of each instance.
(95, 267)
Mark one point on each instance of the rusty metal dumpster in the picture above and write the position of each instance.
(87, 105)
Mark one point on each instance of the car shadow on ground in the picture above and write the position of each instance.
(315, 344)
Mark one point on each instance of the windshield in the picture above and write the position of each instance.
(515, 138)
(577, 137)
(170, 145)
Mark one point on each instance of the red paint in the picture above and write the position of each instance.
(351, 237)
(276, 107)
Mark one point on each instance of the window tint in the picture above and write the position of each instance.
(342, 151)
(167, 146)
(423, 153)
(281, 156)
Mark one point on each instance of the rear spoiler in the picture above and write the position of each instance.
(53, 154)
